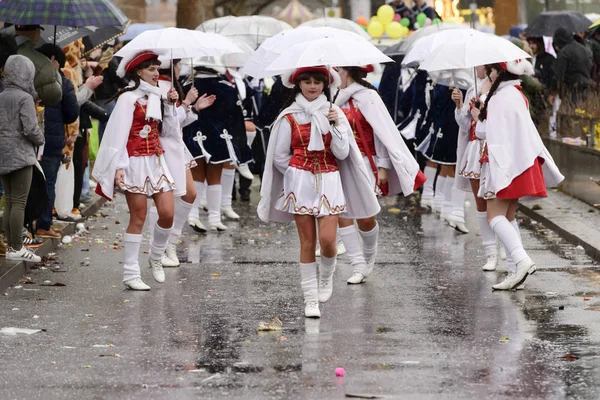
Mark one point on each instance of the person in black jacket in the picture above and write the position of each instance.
(573, 65)
(543, 63)
(421, 6)
(105, 93)
(55, 119)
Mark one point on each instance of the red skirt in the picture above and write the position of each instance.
(529, 184)
(419, 180)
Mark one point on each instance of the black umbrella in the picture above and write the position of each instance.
(99, 36)
(547, 23)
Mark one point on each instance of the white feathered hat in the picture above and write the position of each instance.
(128, 63)
(518, 67)
(289, 78)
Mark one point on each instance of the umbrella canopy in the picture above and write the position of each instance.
(338, 23)
(77, 13)
(402, 48)
(179, 43)
(96, 36)
(595, 25)
(459, 78)
(471, 51)
(330, 52)
(295, 13)
(272, 48)
(424, 46)
(135, 29)
(547, 23)
(236, 60)
(253, 29)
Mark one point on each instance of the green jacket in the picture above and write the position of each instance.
(47, 80)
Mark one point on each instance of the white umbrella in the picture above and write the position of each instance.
(472, 51)
(253, 29)
(179, 43)
(236, 60)
(408, 43)
(459, 78)
(424, 46)
(338, 23)
(329, 52)
(272, 48)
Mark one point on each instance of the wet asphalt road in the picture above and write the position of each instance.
(425, 326)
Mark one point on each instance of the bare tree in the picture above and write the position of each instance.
(191, 13)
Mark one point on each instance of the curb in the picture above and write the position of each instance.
(11, 274)
(572, 238)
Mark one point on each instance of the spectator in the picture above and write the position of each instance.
(543, 63)
(594, 46)
(402, 9)
(106, 92)
(47, 80)
(421, 6)
(573, 64)
(56, 117)
(19, 136)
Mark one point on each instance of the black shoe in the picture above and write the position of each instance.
(245, 195)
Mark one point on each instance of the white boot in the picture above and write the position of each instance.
(370, 240)
(158, 245)
(201, 195)
(194, 215)
(447, 206)
(196, 224)
(213, 197)
(456, 219)
(515, 280)
(501, 251)
(351, 239)
(227, 182)
(341, 250)
(169, 259)
(491, 263)
(326, 271)
(310, 289)
(438, 198)
(427, 196)
(131, 266)
(158, 273)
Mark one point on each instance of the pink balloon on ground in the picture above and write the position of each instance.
(427, 22)
(397, 18)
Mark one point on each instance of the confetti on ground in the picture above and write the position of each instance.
(275, 325)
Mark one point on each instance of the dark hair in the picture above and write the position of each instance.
(176, 83)
(304, 77)
(133, 76)
(8, 47)
(503, 76)
(51, 50)
(359, 76)
(539, 42)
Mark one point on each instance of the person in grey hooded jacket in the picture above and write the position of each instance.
(20, 135)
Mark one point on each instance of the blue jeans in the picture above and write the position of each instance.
(50, 166)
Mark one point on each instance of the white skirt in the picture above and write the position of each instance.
(305, 193)
(190, 162)
(148, 175)
(485, 192)
(471, 167)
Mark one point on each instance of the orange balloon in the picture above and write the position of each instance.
(362, 21)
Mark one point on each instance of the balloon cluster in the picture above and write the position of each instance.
(388, 22)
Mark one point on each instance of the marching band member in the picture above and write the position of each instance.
(311, 169)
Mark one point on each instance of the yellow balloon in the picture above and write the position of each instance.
(385, 14)
(394, 30)
(405, 31)
(375, 29)
(374, 18)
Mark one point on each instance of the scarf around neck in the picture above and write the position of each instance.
(154, 93)
(319, 125)
(344, 95)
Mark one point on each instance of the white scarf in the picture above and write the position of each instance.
(318, 110)
(154, 93)
(344, 95)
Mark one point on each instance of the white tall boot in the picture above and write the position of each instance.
(158, 246)
(182, 212)
(456, 219)
(438, 198)
(213, 198)
(310, 289)
(227, 182)
(447, 205)
(194, 215)
(326, 271)
(489, 241)
(131, 267)
(370, 240)
(351, 240)
(427, 196)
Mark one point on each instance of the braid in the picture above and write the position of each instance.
(131, 77)
(359, 76)
(503, 76)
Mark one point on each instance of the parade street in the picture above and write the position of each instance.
(425, 325)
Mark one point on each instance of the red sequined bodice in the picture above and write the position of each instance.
(143, 135)
(366, 128)
(313, 161)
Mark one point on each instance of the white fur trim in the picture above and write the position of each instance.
(337, 81)
(520, 67)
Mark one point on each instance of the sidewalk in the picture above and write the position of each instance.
(11, 272)
(575, 221)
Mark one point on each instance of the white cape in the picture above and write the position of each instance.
(513, 140)
(361, 201)
(114, 141)
(401, 178)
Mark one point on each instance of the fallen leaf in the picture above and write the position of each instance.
(586, 299)
(215, 275)
(275, 325)
(54, 284)
(570, 357)
(394, 210)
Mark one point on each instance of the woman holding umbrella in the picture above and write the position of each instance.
(131, 158)
(313, 164)
(178, 158)
(516, 163)
(393, 168)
